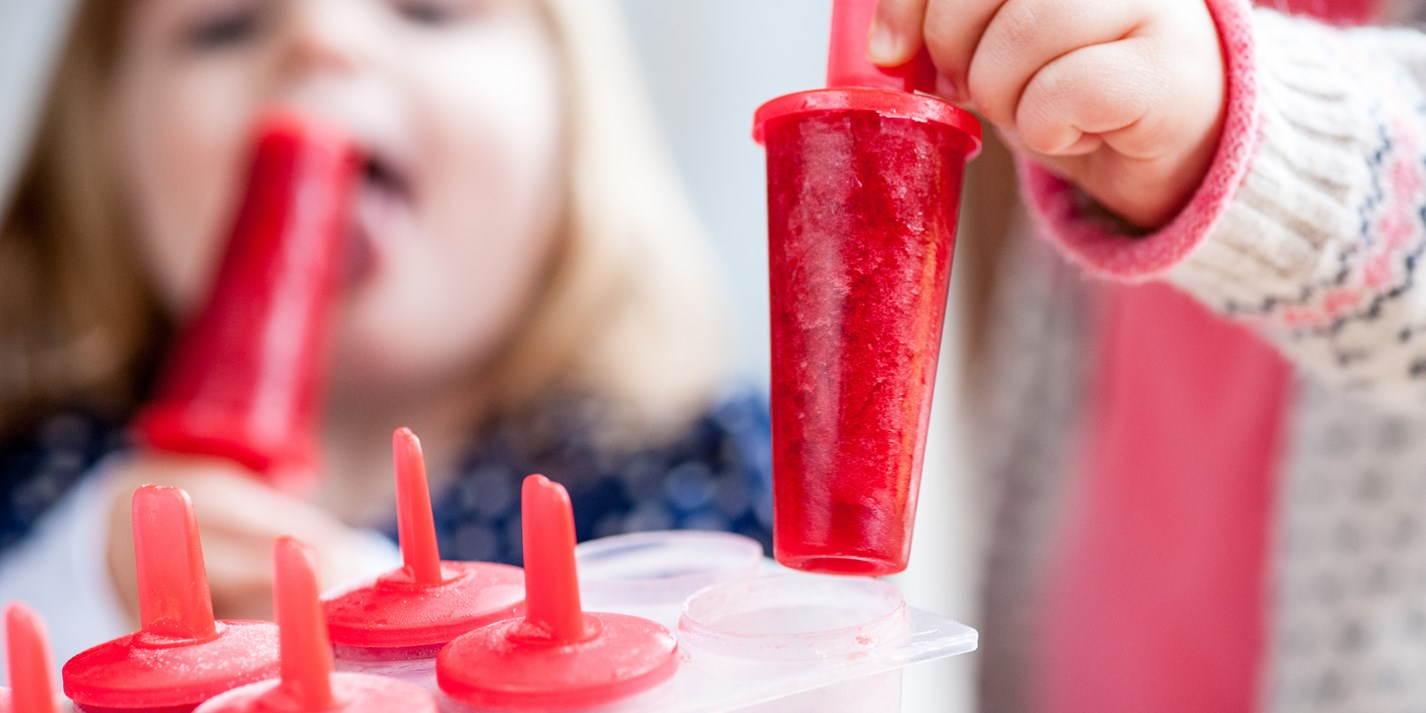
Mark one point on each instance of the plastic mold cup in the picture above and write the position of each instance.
(307, 684)
(396, 624)
(557, 657)
(864, 185)
(651, 574)
(820, 631)
(181, 656)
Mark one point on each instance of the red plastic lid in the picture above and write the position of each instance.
(307, 683)
(888, 103)
(181, 656)
(425, 601)
(856, 84)
(556, 657)
(28, 650)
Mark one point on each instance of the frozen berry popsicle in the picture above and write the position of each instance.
(28, 651)
(395, 624)
(557, 657)
(864, 183)
(307, 684)
(245, 378)
(181, 656)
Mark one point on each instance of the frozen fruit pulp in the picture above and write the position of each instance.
(862, 217)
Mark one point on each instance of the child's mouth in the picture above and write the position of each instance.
(382, 198)
(380, 174)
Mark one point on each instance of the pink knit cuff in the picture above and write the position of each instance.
(1103, 252)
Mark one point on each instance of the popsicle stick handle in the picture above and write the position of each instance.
(847, 62)
(306, 648)
(246, 377)
(416, 528)
(27, 647)
(551, 584)
(174, 600)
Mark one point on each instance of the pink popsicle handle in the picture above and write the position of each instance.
(27, 647)
(306, 650)
(552, 605)
(174, 601)
(415, 526)
(847, 62)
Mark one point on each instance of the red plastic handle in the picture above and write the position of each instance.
(32, 689)
(415, 525)
(847, 62)
(306, 650)
(552, 605)
(174, 601)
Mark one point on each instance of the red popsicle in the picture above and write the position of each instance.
(246, 377)
(28, 650)
(181, 656)
(411, 611)
(864, 184)
(308, 684)
(557, 657)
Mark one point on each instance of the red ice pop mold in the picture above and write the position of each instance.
(557, 657)
(864, 184)
(308, 684)
(247, 375)
(181, 656)
(426, 602)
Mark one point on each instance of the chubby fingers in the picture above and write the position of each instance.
(1069, 109)
(1026, 37)
(949, 29)
(990, 51)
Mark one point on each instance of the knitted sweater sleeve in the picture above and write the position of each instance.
(1311, 224)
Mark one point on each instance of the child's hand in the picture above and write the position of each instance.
(239, 518)
(1124, 98)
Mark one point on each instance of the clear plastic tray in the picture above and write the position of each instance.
(761, 639)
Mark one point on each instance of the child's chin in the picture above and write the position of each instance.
(387, 365)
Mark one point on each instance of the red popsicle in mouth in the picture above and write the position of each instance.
(28, 650)
(181, 656)
(864, 183)
(308, 684)
(246, 377)
(415, 609)
(557, 657)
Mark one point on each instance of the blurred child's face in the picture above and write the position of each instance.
(457, 101)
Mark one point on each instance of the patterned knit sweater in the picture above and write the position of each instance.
(1308, 230)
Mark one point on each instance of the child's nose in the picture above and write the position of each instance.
(327, 35)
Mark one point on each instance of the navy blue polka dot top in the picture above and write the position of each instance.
(716, 475)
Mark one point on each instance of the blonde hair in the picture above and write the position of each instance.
(628, 313)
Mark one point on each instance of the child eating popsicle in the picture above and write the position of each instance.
(1205, 461)
(515, 278)
(1183, 518)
